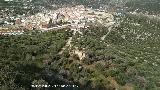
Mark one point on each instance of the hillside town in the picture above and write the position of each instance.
(68, 17)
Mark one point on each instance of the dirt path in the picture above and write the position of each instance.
(68, 44)
(76, 30)
(109, 30)
(80, 54)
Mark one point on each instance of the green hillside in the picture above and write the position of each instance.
(152, 6)
(127, 59)
(129, 54)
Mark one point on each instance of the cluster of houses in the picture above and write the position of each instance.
(8, 27)
(73, 17)
(11, 30)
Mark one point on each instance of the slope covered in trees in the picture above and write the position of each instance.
(129, 54)
(127, 58)
(23, 58)
(152, 6)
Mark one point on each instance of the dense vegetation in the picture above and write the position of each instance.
(23, 58)
(15, 8)
(127, 58)
(152, 6)
(49, 3)
(129, 55)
